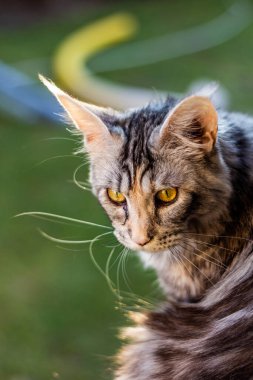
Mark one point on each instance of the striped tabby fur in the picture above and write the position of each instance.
(210, 339)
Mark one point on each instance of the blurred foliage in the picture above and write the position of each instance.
(57, 313)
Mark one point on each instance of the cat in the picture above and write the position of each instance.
(176, 180)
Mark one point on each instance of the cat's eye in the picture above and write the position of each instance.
(167, 195)
(115, 196)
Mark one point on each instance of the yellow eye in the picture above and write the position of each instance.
(115, 196)
(167, 195)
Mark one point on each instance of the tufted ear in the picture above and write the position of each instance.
(84, 116)
(194, 119)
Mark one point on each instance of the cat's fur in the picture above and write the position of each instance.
(199, 245)
(211, 339)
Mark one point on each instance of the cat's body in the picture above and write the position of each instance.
(207, 340)
(181, 194)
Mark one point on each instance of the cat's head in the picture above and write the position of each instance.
(156, 171)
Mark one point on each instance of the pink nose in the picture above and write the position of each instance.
(142, 240)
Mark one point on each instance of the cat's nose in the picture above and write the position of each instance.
(140, 232)
(142, 240)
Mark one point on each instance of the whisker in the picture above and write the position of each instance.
(124, 271)
(75, 180)
(52, 238)
(208, 246)
(118, 271)
(108, 279)
(105, 274)
(49, 220)
(218, 263)
(92, 255)
(52, 158)
(58, 138)
(116, 259)
(85, 183)
(181, 261)
(113, 246)
(39, 214)
(69, 249)
(81, 184)
(203, 274)
(111, 284)
(140, 302)
(211, 245)
(220, 236)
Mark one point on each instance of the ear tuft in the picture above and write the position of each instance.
(194, 119)
(50, 85)
(83, 116)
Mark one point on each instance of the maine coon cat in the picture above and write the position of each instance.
(176, 180)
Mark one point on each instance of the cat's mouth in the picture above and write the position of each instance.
(157, 249)
(155, 245)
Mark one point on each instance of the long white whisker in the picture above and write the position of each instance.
(104, 274)
(52, 158)
(193, 241)
(124, 271)
(180, 261)
(203, 274)
(38, 214)
(107, 271)
(113, 246)
(118, 271)
(211, 245)
(218, 263)
(75, 180)
(80, 184)
(220, 236)
(57, 138)
(52, 238)
(69, 249)
(111, 283)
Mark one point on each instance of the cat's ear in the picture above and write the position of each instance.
(84, 116)
(194, 119)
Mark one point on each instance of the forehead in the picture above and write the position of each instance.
(151, 176)
(138, 168)
(138, 127)
(138, 182)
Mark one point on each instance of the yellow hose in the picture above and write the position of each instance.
(71, 57)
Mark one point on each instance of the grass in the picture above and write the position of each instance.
(57, 312)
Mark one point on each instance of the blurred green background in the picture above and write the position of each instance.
(58, 317)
